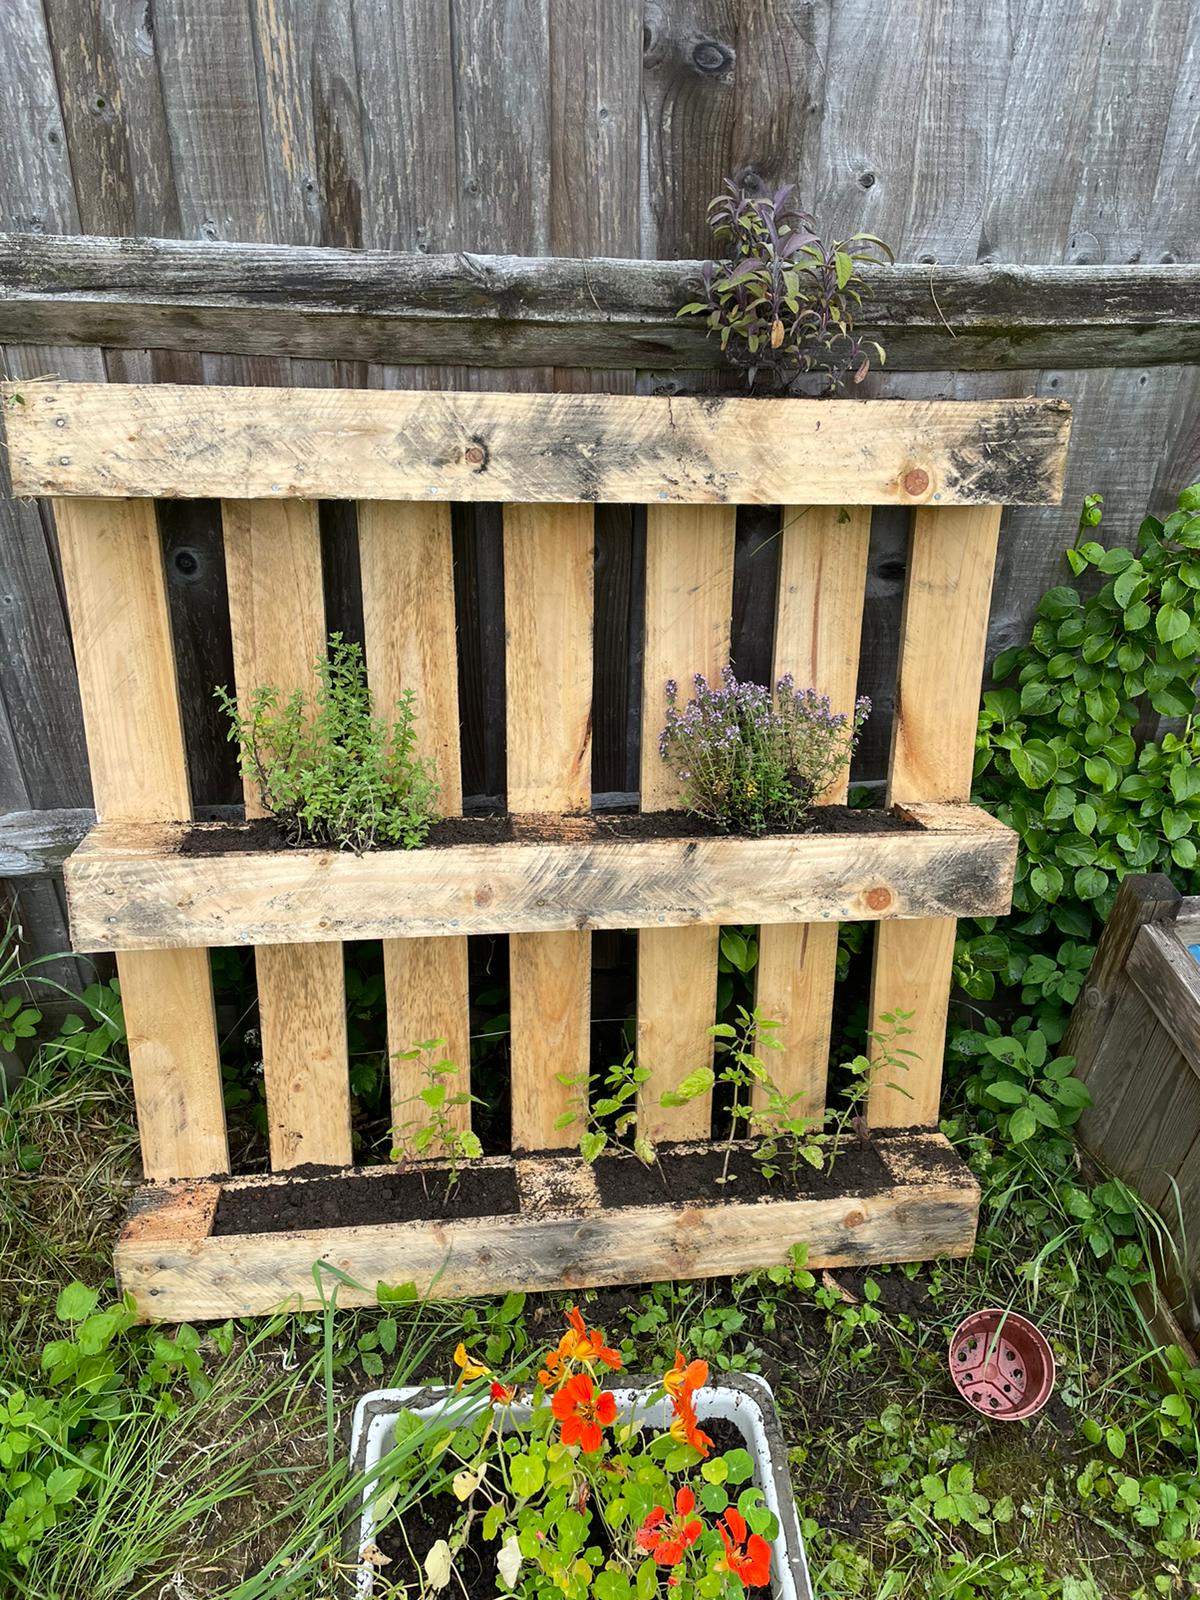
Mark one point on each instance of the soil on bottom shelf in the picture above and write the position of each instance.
(353, 1200)
(264, 833)
(407, 1541)
(691, 1177)
(323, 1197)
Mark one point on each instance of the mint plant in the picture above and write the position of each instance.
(330, 771)
(749, 761)
(785, 299)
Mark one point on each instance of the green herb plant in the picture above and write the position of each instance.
(610, 1117)
(330, 771)
(435, 1132)
(784, 301)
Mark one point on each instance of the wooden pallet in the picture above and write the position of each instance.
(108, 452)
(176, 1267)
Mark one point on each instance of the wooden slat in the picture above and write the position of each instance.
(407, 567)
(818, 623)
(1142, 897)
(1168, 975)
(277, 617)
(186, 441)
(113, 572)
(948, 588)
(548, 556)
(175, 1268)
(420, 309)
(689, 603)
(131, 887)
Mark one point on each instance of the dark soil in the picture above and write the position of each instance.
(688, 1178)
(407, 1542)
(264, 833)
(353, 1200)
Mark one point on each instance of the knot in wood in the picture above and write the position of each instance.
(475, 455)
(879, 899)
(916, 482)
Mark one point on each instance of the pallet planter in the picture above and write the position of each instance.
(108, 452)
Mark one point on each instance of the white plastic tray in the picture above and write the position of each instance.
(744, 1400)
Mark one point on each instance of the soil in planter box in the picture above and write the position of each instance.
(264, 833)
(407, 1541)
(692, 1177)
(350, 1200)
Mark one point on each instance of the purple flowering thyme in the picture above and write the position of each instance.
(750, 761)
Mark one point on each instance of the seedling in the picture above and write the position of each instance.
(611, 1118)
(436, 1133)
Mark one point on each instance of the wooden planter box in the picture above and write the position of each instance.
(1135, 1032)
(108, 452)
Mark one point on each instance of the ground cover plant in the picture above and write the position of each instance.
(329, 770)
(751, 761)
(211, 1461)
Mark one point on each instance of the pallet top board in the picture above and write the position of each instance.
(131, 887)
(166, 441)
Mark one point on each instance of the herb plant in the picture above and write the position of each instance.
(580, 1502)
(332, 772)
(611, 1117)
(785, 300)
(749, 761)
(434, 1133)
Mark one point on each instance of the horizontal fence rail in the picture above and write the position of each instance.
(505, 311)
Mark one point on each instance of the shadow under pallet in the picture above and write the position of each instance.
(902, 1196)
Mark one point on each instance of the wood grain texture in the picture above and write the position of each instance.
(114, 579)
(277, 619)
(168, 441)
(424, 308)
(1168, 975)
(175, 1268)
(131, 888)
(689, 604)
(407, 565)
(548, 557)
(952, 558)
(1142, 898)
(818, 625)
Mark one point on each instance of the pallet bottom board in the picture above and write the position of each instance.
(176, 1269)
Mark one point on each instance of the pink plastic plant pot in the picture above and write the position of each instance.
(1001, 1365)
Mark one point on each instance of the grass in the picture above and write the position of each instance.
(214, 1468)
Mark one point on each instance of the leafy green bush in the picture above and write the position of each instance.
(334, 773)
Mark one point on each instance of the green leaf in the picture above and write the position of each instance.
(75, 1302)
(591, 1144)
(1022, 1125)
(690, 1088)
(1171, 623)
(527, 1474)
(739, 1466)
(1035, 763)
(1090, 883)
(1046, 882)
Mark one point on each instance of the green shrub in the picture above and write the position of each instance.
(334, 773)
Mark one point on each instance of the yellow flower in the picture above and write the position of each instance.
(470, 1367)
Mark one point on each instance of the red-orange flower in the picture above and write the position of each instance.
(501, 1394)
(685, 1377)
(579, 1345)
(583, 1410)
(749, 1559)
(681, 1382)
(667, 1540)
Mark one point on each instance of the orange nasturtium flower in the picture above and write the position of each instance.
(579, 1345)
(668, 1540)
(749, 1559)
(501, 1394)
(470, 1368)
(681, 1382)
(583, 1410)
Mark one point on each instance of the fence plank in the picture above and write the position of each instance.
(943, 638)
(548, 555)
(277, 618)
(818, 624)
(407, 563)
(689, 607)
(112, 567)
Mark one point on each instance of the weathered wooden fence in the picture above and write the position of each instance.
(966, 134)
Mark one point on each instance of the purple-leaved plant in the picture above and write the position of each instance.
(749, 760)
